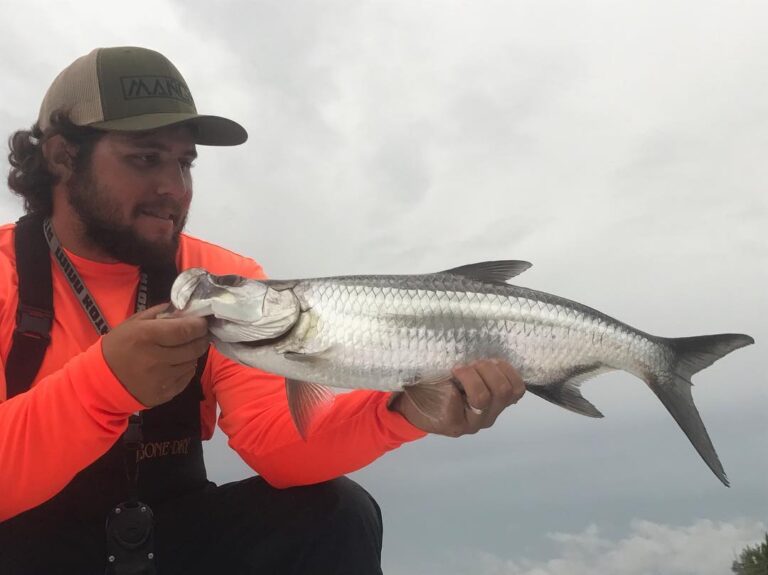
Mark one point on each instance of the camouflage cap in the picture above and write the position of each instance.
(132, 89)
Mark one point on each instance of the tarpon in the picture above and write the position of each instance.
(406, 332)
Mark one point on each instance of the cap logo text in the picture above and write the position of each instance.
(135, 87)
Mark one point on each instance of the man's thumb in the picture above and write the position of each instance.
(154, 311)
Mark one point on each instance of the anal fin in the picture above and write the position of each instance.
(431, 399)
(565, 391)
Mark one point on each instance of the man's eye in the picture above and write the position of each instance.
(145, 159)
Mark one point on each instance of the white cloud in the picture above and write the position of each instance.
(703, 548)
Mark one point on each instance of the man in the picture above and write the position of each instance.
(105, 175)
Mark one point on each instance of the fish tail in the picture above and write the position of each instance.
(672, 386)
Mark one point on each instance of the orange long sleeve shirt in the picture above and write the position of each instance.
(76, 409)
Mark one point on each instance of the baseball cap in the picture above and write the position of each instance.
(132, 89)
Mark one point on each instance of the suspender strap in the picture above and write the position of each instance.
(132, 439)
(34, 319)
(34, 314)
(160, 281)
(155, 285)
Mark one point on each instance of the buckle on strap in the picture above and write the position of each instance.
(34, 322)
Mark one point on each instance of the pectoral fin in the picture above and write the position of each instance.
(306, 402)
(308, 355)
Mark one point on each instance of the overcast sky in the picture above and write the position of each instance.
(619, 146)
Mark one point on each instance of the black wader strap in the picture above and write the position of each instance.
(132, 439)
(34, 319)
(159, 282)
(34, 314)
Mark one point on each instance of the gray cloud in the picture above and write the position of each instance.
(619, 146)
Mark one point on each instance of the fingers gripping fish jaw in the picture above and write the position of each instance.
(184, 288)
(240, 309)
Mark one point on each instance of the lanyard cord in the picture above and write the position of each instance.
(132, 437)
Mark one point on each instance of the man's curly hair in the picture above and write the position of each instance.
(29, 176)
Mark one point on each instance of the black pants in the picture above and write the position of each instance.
(246, 527)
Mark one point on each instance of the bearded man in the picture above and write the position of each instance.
(103, 405)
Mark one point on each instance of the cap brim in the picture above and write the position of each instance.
(209, 130)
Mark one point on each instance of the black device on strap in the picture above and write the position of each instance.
(130, 525)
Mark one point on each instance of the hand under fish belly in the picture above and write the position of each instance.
(409, 333)
(482, 390)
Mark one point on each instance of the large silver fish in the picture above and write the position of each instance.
(407, 332)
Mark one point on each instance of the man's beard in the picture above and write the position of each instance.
(103, 227)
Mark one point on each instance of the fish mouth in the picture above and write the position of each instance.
(186, 285)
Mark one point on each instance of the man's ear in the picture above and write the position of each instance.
(60, 157)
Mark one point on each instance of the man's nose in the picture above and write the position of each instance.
(174, 181)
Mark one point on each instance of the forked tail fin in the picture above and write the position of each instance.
(673, 386)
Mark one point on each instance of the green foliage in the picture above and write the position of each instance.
(753, 560)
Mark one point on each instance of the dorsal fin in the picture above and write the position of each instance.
(494, 271)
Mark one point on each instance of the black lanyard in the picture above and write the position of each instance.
(132, 437)
(79, 288)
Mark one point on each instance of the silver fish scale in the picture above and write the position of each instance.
(384, 331)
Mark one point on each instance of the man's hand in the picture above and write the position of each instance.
(484, 389)
(155, 358)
